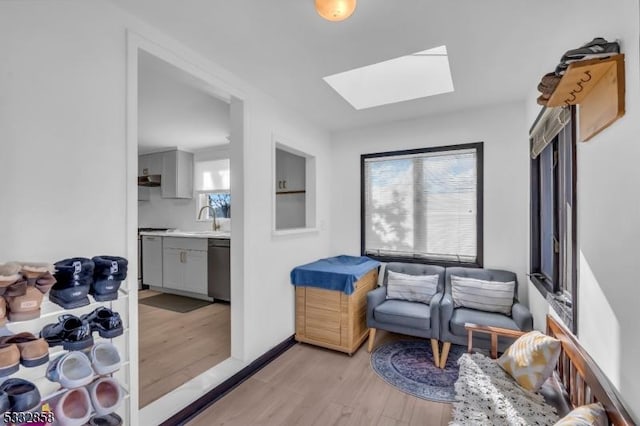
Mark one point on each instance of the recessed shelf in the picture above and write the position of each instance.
(290, 192)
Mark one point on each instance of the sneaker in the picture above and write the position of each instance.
(108, 274)
(73, 333)
(106, 322)
(596, 48)
(72, 370)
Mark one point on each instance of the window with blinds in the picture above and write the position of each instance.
(423, 205)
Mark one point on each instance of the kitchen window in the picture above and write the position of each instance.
(212, 182)
(423, 205)
(218, 201)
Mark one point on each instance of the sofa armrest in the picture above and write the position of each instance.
(446, 312)
(434, 306)
(374, 298)
(522, 317)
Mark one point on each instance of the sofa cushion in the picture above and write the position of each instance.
(491, 296)
(403, 313)
(464, 315)
(414, 269)
(586, 415)
(413, 288)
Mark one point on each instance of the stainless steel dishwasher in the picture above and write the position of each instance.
(218, 271)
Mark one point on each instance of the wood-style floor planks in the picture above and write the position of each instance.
(176, 347)
(308, 385)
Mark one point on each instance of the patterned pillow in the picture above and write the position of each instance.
(531, 359)
(490, 296)
(586, 415)
(414, 288)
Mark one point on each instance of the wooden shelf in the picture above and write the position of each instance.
(598, 86)
(290, 192)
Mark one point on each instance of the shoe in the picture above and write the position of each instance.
(34, 351)
(73, 333)
(22, 394)
(105, 358)
(106, 395)
(561, 69)
(25, 307)
(74, 277)
(72, 370)
(596, 48)
(549, 83)
(9, 274)
(108, 274)
(73, 408)
(108, 420)
(5, 404)
(33, 271)
(106, 322)
(9, 359)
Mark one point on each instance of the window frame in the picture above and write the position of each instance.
(555, 288)
(207, 217)
(479, 148)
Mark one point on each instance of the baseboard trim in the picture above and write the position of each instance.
(208, 399)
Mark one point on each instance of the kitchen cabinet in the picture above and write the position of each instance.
(290, 171)
(152, 260)
(185, 264)
(177, 174)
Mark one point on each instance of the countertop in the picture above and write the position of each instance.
(226, 235)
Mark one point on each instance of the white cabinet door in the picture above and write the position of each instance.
(177, 174)
(152, 260)
(195, 268)
(173, 268)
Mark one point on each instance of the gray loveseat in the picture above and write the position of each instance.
(440, 320)
(400, 316)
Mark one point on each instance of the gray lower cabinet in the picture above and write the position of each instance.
(152, 260)
(184, 264)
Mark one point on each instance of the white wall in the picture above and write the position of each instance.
(177, 213)
(63, 156)
(506, 176)
(608, 208)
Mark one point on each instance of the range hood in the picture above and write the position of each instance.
(149, 180)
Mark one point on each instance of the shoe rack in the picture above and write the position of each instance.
(598, 87)
(51, 391)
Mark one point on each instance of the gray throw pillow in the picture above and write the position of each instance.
(490, 296)
(414, 288)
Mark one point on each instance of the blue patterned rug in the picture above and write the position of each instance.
(408, 365)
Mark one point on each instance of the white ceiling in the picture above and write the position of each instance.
(498, 49)
(176, 110)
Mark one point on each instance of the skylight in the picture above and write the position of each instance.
(414, 76)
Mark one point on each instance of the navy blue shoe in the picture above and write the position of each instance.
(74, 278)
(22, 395)
(108, 274)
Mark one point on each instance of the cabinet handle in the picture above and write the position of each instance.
(284, 184)
(182, 257)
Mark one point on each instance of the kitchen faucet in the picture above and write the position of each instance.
(215, 225)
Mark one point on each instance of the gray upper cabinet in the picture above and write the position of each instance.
(177, 174)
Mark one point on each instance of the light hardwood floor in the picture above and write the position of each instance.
(175, 348)
(313, 386)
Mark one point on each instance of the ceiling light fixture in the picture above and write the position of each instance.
(335, 10)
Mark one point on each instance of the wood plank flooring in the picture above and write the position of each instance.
(308, 385)
(175, 347)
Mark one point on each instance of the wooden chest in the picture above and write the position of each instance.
(333, 319)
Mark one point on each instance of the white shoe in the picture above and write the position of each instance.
(106, 395)
(72, 370)
(105, 358)
(73, 408)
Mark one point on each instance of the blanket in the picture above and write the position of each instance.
(487, 395)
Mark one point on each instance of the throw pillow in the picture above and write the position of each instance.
(490, 296)
(531, 359)
(414, 288)
(586, 415)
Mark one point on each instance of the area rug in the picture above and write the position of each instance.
(408, 366)
(487, 395)
(172, 302)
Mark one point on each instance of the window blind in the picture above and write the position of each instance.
(422, 205)
(212, 175)
(553, 120)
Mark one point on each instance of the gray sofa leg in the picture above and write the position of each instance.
(436, 352)
(372, 338)
(445, 354)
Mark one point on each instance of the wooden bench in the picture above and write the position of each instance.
(581, 379)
